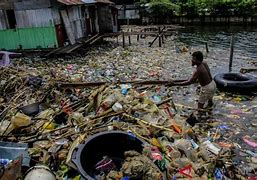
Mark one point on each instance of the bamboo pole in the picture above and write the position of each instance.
(231, 53)
(147, 123)
(91, 84)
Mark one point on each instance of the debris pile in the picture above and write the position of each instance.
(67, 117)
(47, 120)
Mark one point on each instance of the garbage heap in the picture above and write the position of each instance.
(65, 118)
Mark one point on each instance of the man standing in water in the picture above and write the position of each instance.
(204, 77)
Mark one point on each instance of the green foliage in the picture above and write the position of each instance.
(164, 8)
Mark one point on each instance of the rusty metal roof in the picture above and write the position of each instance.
(76, 2)
(71, 2)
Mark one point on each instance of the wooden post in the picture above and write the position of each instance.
(123, 39)
(231, 53)
(137, 37)
(129, 37)
(158, 35)
(206, 46)
(160, 39)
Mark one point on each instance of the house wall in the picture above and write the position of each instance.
(31, 4)
(3, 24)
(28, 38)
(29, 13)
(56, 16)
(34, 18)
(114, 19)
(34, 28)
(128, 11)
(105, 19)
(77, 21)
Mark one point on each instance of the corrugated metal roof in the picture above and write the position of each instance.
(75, 2)
(71, 2)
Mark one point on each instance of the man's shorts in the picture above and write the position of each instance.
(207, 92)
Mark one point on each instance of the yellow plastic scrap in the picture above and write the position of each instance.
(20, 120)
(233, 116)
(77, 177)
(156, 143)
(49, 126)
(237, 99)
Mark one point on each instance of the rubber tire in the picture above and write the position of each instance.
(236, 82)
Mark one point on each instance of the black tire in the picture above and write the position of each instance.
(236, 82)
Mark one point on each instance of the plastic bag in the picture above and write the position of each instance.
(20, 120)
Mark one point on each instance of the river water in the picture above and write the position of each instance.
(218, 39)
(237, 112)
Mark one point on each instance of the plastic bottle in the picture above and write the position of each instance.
(109, 101)
(4, 161)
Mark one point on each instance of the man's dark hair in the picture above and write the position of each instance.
(198, 55)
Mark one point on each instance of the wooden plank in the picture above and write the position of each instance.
(153, 33)
(74, 47)
(141, 82)
(98, 38)
(68, 26)
(90, 39)
(78, 26)
(53, 51)
(83, 43)
(158, 35)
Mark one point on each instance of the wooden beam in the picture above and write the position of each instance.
(92, 84)
(153, 33)
(67, 26)
(123, 39)
(158, 35)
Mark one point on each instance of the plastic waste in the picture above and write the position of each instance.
(20, 120)
(4, 161)
(195, 146)
(117, 107)
(249, 142)
(49, 125)
(218, 174)
(109, 101)
(211, 147)
(39, 172)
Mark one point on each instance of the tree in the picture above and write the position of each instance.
(160, 8)
(165, 8)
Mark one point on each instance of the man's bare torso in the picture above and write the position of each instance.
(204, 75)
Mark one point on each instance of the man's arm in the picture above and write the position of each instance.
(189, 81)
